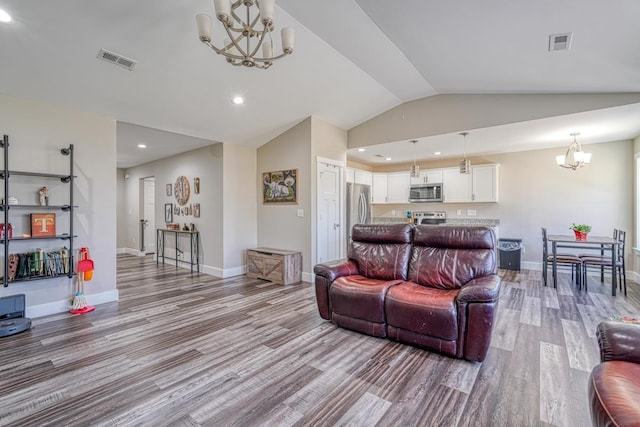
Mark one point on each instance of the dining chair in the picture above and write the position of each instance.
(605, 261)
(563, 259)
(602, 254)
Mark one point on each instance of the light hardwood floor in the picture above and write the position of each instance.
(187, 350)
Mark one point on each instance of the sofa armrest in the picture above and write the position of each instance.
(618, 341)
(333, 269)
(482, 289)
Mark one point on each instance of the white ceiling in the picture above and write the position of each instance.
(352, 60)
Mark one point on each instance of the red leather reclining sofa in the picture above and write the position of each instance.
(434, 287)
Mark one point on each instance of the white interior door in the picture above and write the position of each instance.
(148, 216)
(329, 225)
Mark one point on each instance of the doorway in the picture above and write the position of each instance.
(148, 219)
(330, 229)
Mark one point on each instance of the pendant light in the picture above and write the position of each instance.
(465, 165)
(414, 172)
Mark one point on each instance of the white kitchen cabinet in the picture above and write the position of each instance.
(379, 188)
(456, 187)
(428, 176)
(398, 187)
(350, 176)
(484, 183)
(362, 177)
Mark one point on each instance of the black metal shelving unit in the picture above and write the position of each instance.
(6, 175)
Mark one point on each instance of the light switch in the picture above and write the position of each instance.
(300, 212)
(471, 212)
(393, 212)
(459, 212)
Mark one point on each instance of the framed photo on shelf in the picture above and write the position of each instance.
(168, 212)
(43, 224)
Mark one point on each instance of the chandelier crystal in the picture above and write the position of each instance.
(248, 24)
(575, 157)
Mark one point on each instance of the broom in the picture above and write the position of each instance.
(80, 305)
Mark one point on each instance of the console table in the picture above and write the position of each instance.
(194, 244)
(275, 265)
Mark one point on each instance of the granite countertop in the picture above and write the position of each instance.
(450, 221)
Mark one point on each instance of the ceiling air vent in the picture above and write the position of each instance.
(116, 59)
(560, 41)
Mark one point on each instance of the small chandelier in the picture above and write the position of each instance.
(414, 171)
(574, 158)
(248, 36)
(465, 165)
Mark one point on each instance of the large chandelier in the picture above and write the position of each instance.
(247, 35)
(574, 158)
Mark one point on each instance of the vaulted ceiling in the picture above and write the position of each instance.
(352, 61)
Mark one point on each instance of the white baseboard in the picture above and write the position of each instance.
(130, 251)
(64, 305)
(210, 270)
(308, 277)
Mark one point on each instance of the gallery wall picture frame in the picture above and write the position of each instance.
(196, 185)
(169, 191)
(280, 187)
(196, 210)
(168, 212)
(182, 190)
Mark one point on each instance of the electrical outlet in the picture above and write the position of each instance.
(459, 212)
(524, 250)
(471, 212)
(300, 212)
(393, 212)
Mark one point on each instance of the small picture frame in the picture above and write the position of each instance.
(168, 212)
(196, 210)
(196, 185)
(169, 190)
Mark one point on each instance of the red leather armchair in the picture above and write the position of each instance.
(614, 384)
(351, 293)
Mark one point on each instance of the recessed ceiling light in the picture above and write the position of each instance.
(436, 153)
(387, 158)
(362, 149)
(4, 16)
(142, 146)
(237, 100)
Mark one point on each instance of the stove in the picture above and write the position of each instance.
(432, 218)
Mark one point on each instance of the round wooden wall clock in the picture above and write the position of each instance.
(181, 190)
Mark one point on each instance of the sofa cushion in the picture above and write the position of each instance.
(423, 310)
(360, 297)
(614, 388)
(382, 251)
(447, 257)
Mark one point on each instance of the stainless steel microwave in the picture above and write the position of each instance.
(425, 193)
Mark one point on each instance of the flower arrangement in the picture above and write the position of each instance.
(583, 228)
(580, 230)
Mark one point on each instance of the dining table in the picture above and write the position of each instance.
(606, 245)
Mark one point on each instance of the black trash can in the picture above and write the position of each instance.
(509, 251)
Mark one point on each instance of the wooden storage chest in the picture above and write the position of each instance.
(275, 265)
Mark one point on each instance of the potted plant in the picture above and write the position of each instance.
(581, 231)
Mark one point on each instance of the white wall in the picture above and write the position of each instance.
(37, 132)
(240, 195)
(535, 193)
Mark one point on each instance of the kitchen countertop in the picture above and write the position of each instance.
(450, 221)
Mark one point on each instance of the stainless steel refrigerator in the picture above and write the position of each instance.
(358, 206)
